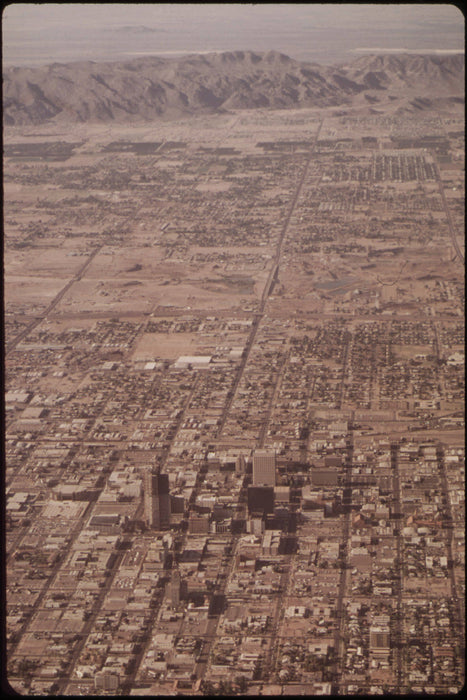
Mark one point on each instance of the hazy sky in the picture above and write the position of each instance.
(37, 33)
(29, 16)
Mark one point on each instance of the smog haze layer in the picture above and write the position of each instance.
(49, 33)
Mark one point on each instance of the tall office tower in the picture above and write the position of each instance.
(156, 499)
(264, 468)
(240, 465)
(174, 588)
(260, 499)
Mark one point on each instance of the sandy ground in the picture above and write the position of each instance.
(165, 346)
(148, 269)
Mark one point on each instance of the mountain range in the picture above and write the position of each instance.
(148, 88)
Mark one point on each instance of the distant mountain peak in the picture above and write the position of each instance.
(152, 87)
(139, 29)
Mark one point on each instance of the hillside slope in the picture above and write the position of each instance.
(150, 88)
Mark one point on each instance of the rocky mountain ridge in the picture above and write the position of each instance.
(151, 88)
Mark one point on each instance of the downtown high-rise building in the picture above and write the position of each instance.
(156, 499)
(264, 468)
(240, 465)
(174, 588)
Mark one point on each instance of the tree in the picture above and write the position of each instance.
(242, 684)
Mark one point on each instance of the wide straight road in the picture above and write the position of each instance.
(268, 287)
(89, 625)
(273, 401)
(210, 636)
(73, 534)
(459, 642)
(347, 505)
(55, 301)
(446, 211)
(397, 514)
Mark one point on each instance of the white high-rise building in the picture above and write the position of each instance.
(240, 465)
(264, 468)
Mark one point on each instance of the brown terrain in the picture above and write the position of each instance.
(151, 87)
(205, 257)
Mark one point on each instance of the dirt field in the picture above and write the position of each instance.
(166, 346)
